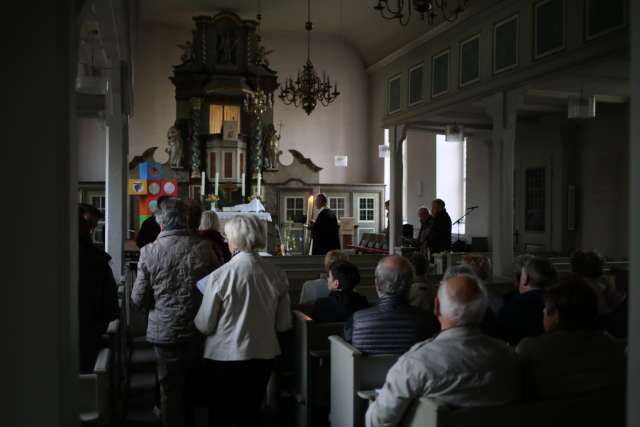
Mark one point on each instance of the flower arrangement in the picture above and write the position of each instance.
(212, 198)
(255, 196)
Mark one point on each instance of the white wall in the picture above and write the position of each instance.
(154, 95)
(478, 155)
(421, 173)
(603, 177)
(92, 146)
(339, 129)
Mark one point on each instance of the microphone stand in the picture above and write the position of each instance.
(459, 220)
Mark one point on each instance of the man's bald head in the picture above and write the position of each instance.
(462, 300)
(394, 276)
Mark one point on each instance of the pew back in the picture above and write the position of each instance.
(94, 403)
(352, 371)
(584, 412)
(311, 374)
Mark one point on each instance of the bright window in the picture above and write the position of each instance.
(366, 209)
(219, 113)
(451, 177)
(336, 204)
(294, 208)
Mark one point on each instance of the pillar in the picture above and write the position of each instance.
(633, 364)
(503, 114)
(117, 171)
(396, 138)
(39, 261)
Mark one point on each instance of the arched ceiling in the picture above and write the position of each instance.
(353, 20)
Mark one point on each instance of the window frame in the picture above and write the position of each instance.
(434, 58)
(390, 80)
(419, 66)
(515, 17)
(537, 6)
(460, 65)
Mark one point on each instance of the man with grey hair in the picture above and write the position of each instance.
(459, 367)
(165, 285)
(522, 316)
(392, 325)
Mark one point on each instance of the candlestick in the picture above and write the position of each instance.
(243, 185)
(202, 184)
(259, 182)
(217, 181)
(309, 209)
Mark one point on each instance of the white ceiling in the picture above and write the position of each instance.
(354, 20)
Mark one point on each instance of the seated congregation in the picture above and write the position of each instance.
(219, 318)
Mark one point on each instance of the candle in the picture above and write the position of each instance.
(309, 209)
(217, 180)
(243, 188)
(202, 185)
(259, 182)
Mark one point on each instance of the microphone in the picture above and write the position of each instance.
(473, 207)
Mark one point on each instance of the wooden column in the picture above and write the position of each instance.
(633, 366)
(396, 138)
(40, 215)
(502, 109)
(117, 172)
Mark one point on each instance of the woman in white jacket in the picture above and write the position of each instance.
(245, 306)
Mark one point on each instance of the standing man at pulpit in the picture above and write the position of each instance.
(325, 229)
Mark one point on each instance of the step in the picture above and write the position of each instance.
(142, 359)
(142, 382)
(142, 418)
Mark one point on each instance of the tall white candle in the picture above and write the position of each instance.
(202, 185)
(217, 180)
(243, 188)
(259, 182)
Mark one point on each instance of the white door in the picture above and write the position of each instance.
(533, 205)
(367, 213)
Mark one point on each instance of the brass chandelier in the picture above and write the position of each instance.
(258, 102)
(429, 10)
(308, 89)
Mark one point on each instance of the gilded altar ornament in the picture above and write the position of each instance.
(196, 160)
(175, 149)
(271, 146)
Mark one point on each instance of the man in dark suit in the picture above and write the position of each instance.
(325, 228)
(439, 238)
(522, 316)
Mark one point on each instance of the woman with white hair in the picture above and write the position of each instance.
(245, 306)
(209, 229)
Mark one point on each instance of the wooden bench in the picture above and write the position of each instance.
(311, 365)
(598, 411)
(352, 371)
(94, 392)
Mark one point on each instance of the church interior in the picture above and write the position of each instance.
(254, 181)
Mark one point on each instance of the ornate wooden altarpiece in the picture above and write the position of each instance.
(222, 65)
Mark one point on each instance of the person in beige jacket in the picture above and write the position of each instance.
(245, 305)
(165, 285)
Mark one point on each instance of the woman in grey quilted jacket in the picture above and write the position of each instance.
(168, 271)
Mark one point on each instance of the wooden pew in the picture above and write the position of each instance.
(311, 352)
(352, 371)
(584, 412)
(94, 392)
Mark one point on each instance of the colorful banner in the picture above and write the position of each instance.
(169, 187)
(149, 170)
(154, 187)
(137, 187)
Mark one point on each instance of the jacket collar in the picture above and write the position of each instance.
(458, 332)
(390, 300)
(180, 232)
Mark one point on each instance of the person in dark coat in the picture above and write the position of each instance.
(522, 316)
(616, 320)
(439, 238)
(210, 230)
(149, 229)
(392, 326)
(325, 229)
(342, 301)
(97, 297)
